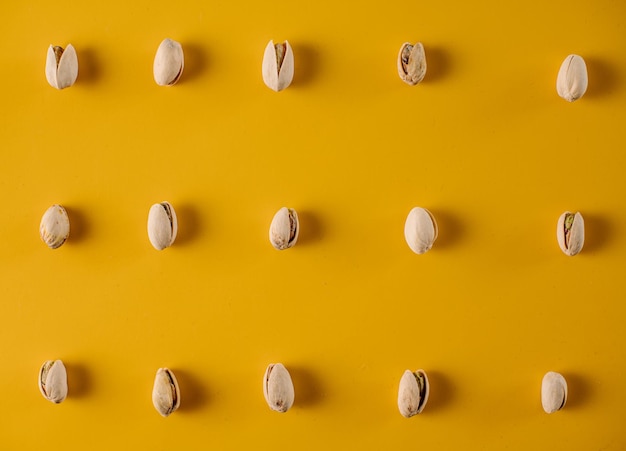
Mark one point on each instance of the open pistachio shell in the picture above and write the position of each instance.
(412, 63)
(165, 393)
(413, 393)
(278, 65)
(284, 228)
(169, 62)
(162, 225)
(61, 66)
(571, 82)
(278, 388)
(53, 381)
(570, 233)
(420, 230)
(553, 392)
(54, 227)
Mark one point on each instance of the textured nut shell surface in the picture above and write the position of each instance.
(281, 235)
(54, 227)
(162, 227)
(275, 77)
(572, 80)
(62, 74)
(278, 388)
(572, 243)
(53, 381)
(420, 230)
(165, 393)
(553, 392)
(169, 62)
(411, 397)
(413, 70)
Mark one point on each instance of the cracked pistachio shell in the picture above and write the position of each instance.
(278, 65)
(571, 83)
(165, 393)
(61, 66)
(53, 381)
(420, 230)
(278, 388)
(413, 393)
(570, 233)
(284, 229)
(162, 225)
(168, 63)
(412, 63)
(55, 226)
(553, 392)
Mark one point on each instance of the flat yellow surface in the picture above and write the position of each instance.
(484, 142)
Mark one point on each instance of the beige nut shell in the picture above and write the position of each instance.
(553, 392)
(53, 381)
(278, 388)
(54, 227)
(169, 62)
(412, 63)
(165, 392)
(420, 230)
(413, 393)
(61, 66)
(278, 65)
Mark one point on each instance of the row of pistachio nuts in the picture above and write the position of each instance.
(62, 64)
(169, 62)
(420, 228)
(278, 67)
(277, 389)
(279, 392)
(415, 388)
(54, 228)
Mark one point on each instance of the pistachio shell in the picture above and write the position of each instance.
(284, 229)
(571, 82)
(553, 392)
(420, 230)
(570, 233)
(165, 393)
(412, 63)
(53, 381)
(278, 388)
(162, 225)
(61, 66)
(169, 62)
(278, 65)
(54, 228)
(413, 393)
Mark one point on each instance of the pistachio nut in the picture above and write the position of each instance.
(420, 230)
(61, 66)
(165, 393)
(571, 83)
(570, 233)
(553, 392)
(278, 65)
(278, 388)
(168, 63)
(413, 393)
(55, 226)
(284, 229)
(53, 381)
(162, 225)
(412, 63)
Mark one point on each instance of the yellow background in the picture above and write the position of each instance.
(484, 142)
